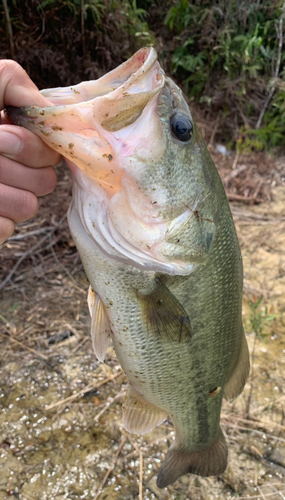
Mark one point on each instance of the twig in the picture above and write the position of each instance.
(272, 90)
(83, 29)
(110, 468)
(260, 433)
(28, 252)
(141, 476)
(83, 391)
(234, 173)
(42, 14)
(108, 404)
(167, 436)
(257, 423)
(31, 233)
(257, 189)
(251, 215)
(24, 346)
(235, 162)
(141, 463)
(258, 496)
(245, 120)
(145, 448)
(214, 131)
(261, 492)
(272, 486)
(85, 339)
(9, 29)
(66, 271)
(239, 197)
(263, 407)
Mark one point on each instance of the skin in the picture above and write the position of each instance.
(25, 161)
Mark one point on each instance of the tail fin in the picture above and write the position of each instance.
(208, 462)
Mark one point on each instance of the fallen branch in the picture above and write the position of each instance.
(264, 407)
(83, 391)
(108, 404)
(29, 252)
(145, 448)
(100, 489)
(248, 429)
(257, 423)
(239, 197)
(24, 346)
(266, 495)
(234, 173)
(141, 462)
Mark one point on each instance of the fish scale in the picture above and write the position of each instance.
(152, 224)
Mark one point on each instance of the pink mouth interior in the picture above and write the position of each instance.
(135, 67)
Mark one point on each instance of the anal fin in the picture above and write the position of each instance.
(237, 379)
(208, 462)
(140, 416)
(100, 325)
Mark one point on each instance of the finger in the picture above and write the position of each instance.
(17, 89)
(3, 118)
(39, 181)
(17, 143)
(7, 228)
(17, 204)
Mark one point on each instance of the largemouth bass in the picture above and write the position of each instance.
(154, 230)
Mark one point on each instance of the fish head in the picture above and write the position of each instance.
(145, 188)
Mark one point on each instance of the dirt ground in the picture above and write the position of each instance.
(60, 409)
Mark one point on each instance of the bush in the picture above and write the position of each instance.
(226, 55)
(223, 52)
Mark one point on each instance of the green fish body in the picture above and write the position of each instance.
(153, 227)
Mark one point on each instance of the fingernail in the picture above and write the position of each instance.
(10, 144)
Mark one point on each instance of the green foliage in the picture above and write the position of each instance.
(138, 26)
(230, 49)
(259, 318)
(180, 15)
(248, 140)
(60, 42)
(96, 8)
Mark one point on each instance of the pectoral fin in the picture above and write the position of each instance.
(140, 416)
(164, 315)
(100, 325)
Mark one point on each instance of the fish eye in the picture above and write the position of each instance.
(181, 127)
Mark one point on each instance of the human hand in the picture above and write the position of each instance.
(25, 171)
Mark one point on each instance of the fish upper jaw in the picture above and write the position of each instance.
(89, 123)
(131, 71)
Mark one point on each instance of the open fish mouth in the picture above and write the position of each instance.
(83, 113)
(112, 131)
